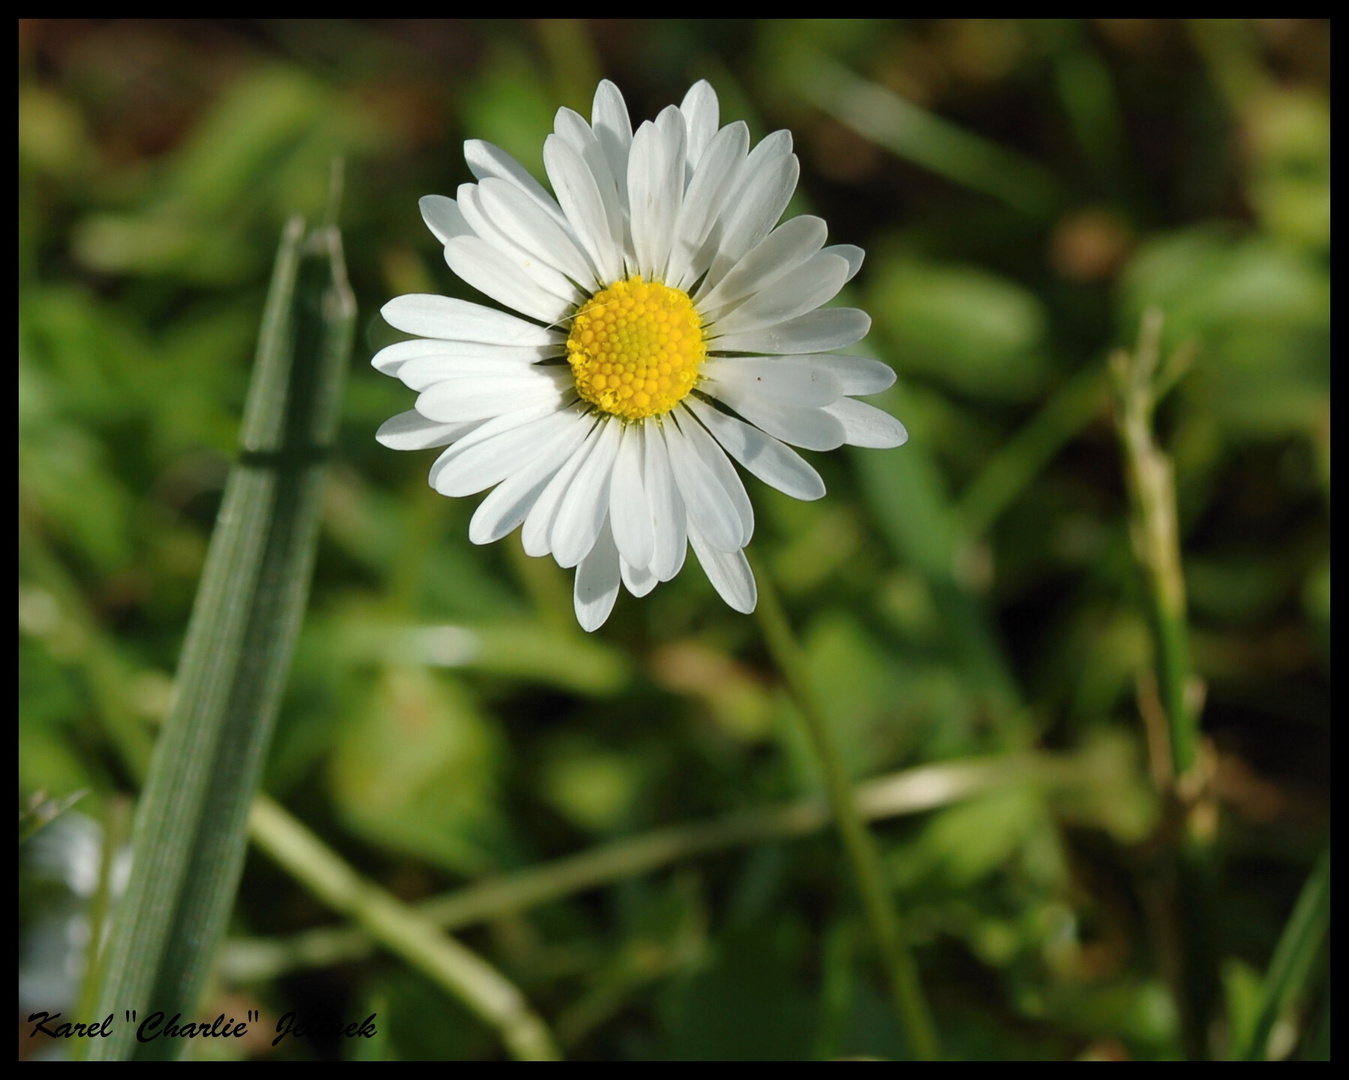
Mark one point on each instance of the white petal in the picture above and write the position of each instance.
(613, 130)
(729, 573)
(425, 372)
(534, 231)
(539, 520)
(518, 248)
(681, 553)
(811, 427)
(487, 430)
(770, 378)
(710, 507)
(705, 202)
(460, 320)
(486, 160)
(769, 178)
(390, 359)
(714, 457)
(412, 431)
(814, 282)
(656, 190)
(498, 276)
(866, 425)
(507, 504)
(484, 396)
(701, 114)
(784, 249)
(595, 212)
(857, 376)
(819, 331)
(639, 582)
(771, 461)
(443, 217)
(393, 358)
(609, 113)
(583, 511)
(489, 461)
(669, 519)
(596, 583)
(852, 253)
(571, 126)
(629, 513)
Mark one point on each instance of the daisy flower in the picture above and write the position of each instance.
(661, 323)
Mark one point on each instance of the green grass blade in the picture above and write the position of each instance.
(926, 139)
(1300, 946)
(406, 932)
(910, 792)
(191, 825)
(1014, 467)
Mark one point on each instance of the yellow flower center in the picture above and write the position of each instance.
(635, 348)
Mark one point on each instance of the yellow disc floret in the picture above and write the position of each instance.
(635, 348)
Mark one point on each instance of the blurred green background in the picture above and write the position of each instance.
(1024, 190)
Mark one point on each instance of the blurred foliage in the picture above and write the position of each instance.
(1024, 189)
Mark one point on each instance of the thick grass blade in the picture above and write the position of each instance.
(192, 822)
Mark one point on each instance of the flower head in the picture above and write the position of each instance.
(665, 321)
